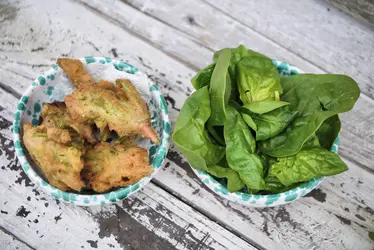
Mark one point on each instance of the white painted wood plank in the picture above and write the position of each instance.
(251, 223)
(177, 19)
(154, 218)
(310, 34)
(171, 219)
(9, 242)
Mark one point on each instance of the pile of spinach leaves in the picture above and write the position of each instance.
(257, 131)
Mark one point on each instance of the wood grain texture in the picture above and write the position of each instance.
(361, 9)
(336, 216)
(309, 34)
(9, 242)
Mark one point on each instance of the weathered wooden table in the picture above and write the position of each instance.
(170, 40)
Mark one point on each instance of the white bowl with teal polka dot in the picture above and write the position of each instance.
(251, 200)
(54, 85)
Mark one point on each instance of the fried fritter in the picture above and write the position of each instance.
(108, 166)
(120, 108)
(59, 135)
(106, 85)
(75, 71)
(56, 116)
(126, 141)
(60, 163)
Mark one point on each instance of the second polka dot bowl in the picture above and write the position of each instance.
(54, 85)
(272, 200)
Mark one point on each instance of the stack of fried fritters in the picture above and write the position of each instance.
(64, 145)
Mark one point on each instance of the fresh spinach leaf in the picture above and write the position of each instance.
(202, 78)
(315, 98)
(258, 79)
(272, 123)
(220, 89)
(273, 185)
(246, 115)
(215, 134)
(267, 161)
(328, 132)
(190, 135)
(306, 165)
(237, 54)
(371, 235)
(248, 119)
(312, 142)
(234, 183)
(264, 106)
(241, 150)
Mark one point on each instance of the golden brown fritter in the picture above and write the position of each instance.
(108, 166)
(106, 85)
(75, 71)
(60, 163)
(59, 135)
(126, 141)
(121, 109)
(56, 116)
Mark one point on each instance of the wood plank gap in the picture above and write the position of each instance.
(14, 236)
(361, 10)
(207, 215)
(167, 24)
(10, 90)
(119, 24)
(363, 167)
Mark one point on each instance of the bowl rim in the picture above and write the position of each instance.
(100, 198)
(270, 200)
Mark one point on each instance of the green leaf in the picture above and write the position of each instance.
(220, 89)
(241, 150)
(104, 134)
(328, 132)
(258, 79)
(272, 123)
(237, 54)
(264, 106)
(122, 139)
(190, 135)
(306, 165)
(196, 106)
(234, 183)
(371, 235)
(273, 184)
(214, 133)
(312, 142)
(202, 78)
(315, 98)
(248, 119)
